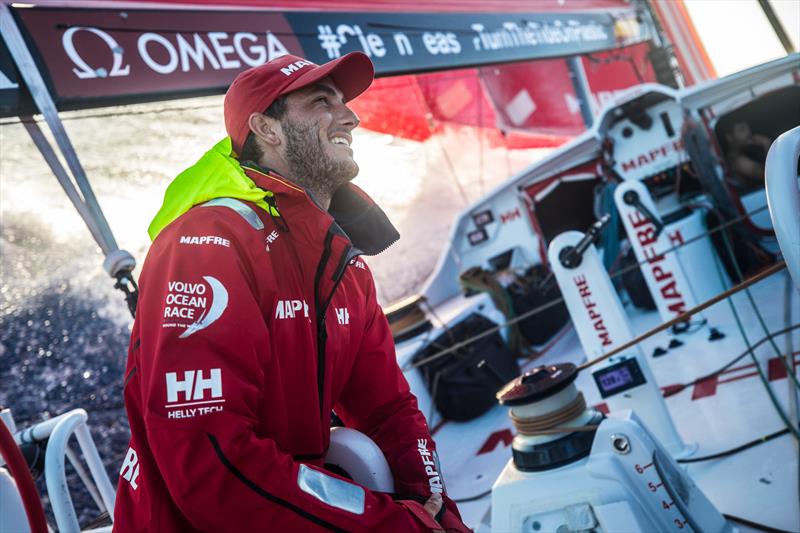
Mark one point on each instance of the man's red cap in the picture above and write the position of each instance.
(255, 89)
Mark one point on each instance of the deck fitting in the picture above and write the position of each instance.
(715, 335)
(659, 351)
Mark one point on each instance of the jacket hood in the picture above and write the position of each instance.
(215, 175)
(219, 175)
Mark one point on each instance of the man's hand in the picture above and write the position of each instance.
(434, 504)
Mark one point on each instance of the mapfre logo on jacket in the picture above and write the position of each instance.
(291, 309)
(194, 305)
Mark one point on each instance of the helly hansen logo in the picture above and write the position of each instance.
(291, 308)
(130, 468)
(342, 315)
(205, 239)
(430, 462)
(194, 386)
(291, 68)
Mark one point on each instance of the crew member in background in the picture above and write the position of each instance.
(746, 155)
(258, 317)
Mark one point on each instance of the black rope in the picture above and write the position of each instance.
(421, 80)
(128, 286)
(684, 386)
(754, 525)
(734, 451)
(110, 114)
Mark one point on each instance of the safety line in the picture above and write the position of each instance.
(557, 301)
(777, 267)
(672, 390)
(111, 114)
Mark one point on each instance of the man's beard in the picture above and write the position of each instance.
(309, 164)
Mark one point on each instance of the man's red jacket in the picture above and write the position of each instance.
(256, 319)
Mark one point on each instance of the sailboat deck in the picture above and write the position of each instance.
(759, 484)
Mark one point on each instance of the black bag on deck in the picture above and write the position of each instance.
(463, 383)
(527, 293)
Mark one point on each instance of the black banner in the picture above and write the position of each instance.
(10, 93)
(400, 43)
(96, 57)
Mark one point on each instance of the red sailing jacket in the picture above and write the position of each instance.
(252, 326)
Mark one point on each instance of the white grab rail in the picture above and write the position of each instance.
(783, 197)
(58, 430)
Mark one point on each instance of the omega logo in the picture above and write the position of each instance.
(214, 50)
(83, 70)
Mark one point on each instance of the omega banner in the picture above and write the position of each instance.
(92, 57)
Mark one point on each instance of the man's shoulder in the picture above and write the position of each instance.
(359, 266)
(212, 237)
(220, 222)
(361, 277)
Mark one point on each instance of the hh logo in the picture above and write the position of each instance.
(291, 308)
(130, 468)
(342, 315)
(193, 386)
(291, 68)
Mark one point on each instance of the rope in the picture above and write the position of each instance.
(683, 386)
(777, 267)
(553, 303)
(755, 525)
(775, 403)
(550, 423)
(789, 368)
(481, 280)
(111, 114)
(733, 451)
(218, 105)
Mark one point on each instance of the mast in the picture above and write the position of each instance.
(775, 22)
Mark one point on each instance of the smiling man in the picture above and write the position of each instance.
(257, 318)
(306, 135)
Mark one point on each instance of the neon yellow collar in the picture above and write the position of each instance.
(216, 175)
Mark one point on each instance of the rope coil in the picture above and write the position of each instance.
(550, 423)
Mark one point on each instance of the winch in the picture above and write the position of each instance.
(573, 469)
(554, 426)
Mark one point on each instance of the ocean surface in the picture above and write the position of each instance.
(63, 328)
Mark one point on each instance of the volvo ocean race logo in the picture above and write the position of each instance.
(194, 306)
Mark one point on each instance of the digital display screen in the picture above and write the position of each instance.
(615, 379)
(477, 236)
(482, 218)
(618, 377)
